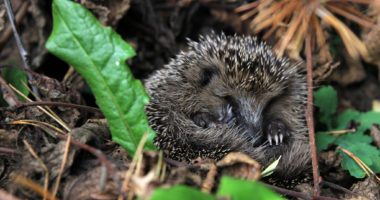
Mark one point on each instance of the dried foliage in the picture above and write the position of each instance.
(290, 21)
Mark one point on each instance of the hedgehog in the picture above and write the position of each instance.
(231, 94)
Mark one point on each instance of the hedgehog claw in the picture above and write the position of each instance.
(276, 131)
(276, 139)
(270, 140)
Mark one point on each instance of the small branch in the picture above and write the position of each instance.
(51, 103)
(6, 150)
(296, 194)
(62, 167)
(8, 94)
(11, 17)
(341, 132)
(99, 154)
(209, 181)
(23, 53)
(21, 12)
(338, 187)
(309, 115)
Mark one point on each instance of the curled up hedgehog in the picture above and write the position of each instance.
(231, 94)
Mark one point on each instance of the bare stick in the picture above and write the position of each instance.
(8, 94)
(51, 103)
(23, 53)
(7, 150)
(7, 33)
(295, 193)
(309, 115)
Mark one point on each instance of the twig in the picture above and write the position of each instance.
(338, 187)
(47, 111)
(296, 194)
(8, 150)
(209, 182)
(288, 192)
(28, 183)
(8, 95)
(63, 136)
(309, 115)
(23, 53)
(51, 103)
(21, 12)
(99, 155)
(128, 174)
(63, 163)
(341, 132)
(44, 167)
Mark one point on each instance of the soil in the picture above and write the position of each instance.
(96, 167)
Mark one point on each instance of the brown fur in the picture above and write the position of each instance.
(228, 93)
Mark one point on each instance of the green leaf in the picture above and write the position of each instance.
(352, 138)
(358, 143)
(99, 55)
(346, 117)
(244, 190)
(18, 79)
(179, 192)
(324, 140)
(270, 169)
(369, 154)
(367, 119)
(326, 99)
(349, 164)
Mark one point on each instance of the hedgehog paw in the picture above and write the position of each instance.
(276, 131)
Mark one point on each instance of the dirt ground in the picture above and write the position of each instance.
(31, 156)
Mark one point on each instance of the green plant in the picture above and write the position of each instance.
(99, 55)
(230, 188)
(16, 78)
(356, 142)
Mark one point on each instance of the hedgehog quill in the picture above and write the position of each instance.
(231, 93)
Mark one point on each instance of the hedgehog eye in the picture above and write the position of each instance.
(206, 76)
(232, 105)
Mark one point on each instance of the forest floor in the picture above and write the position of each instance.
(95, 167)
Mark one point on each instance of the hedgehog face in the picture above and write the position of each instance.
(223, 102)
(239, 82)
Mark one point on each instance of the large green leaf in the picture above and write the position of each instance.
(244, 190)
(180, 192)
(99, 55)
